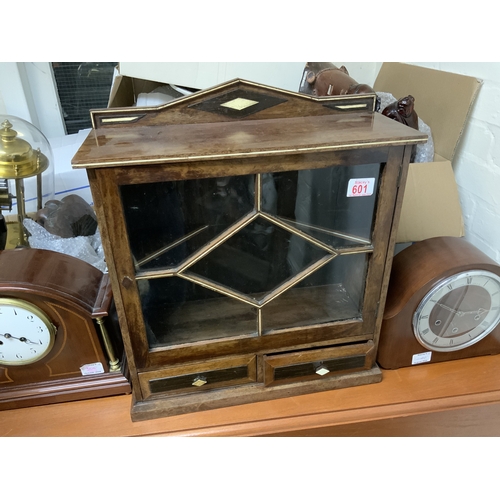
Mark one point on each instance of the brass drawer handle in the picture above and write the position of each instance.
(322, 370)
(199, 381)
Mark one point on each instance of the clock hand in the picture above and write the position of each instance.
(22, 339)
(458, 313)
(479, 312)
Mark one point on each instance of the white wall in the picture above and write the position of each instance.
(15, 93)
(27, 90)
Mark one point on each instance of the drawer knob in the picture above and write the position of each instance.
(127, 282)
(322, 370)
(199, 381)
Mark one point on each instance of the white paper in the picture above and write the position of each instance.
(92, 369)
(423, 357)
(360, 187)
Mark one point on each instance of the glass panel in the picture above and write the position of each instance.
(284, 255)
(258, 258)
(177, 311)
(326, 203)
(168, 221)
(332, 293)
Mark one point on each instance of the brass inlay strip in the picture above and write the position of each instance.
(121, 119)
(225, 235)
(355, 250)
(297, 232)
(166, 248)
(258, 192)
(200, 253)
(216, 287)
(320, 229)
(351, 106)
(259, 321)
(298, 277)
(152, 275)
(250, 154)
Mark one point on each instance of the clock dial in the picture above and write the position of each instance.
(26, 333)
(458, 312)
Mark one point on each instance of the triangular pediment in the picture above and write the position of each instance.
(232, 101)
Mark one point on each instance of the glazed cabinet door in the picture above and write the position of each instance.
(249, 254)
(252, 261)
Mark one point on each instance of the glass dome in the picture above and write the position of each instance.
(26, 167)
(26, 153)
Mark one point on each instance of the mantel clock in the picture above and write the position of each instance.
(443, 304)
(249, 233)
(58, 338)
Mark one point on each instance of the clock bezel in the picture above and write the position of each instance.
(436, 288)
(32, 308)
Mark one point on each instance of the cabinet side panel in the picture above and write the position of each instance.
(99, 184)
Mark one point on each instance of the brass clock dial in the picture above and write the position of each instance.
(458, 312)
(26, 332)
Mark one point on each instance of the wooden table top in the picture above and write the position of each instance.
(424, 389)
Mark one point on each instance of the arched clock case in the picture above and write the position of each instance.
(58, 337)
(443, 303)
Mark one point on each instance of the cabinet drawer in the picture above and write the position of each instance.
(200, 376)
(317, 363)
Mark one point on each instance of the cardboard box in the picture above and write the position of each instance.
(125, 90)
(431, 204)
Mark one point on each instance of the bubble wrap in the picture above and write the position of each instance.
(424, 152)
(86, 248)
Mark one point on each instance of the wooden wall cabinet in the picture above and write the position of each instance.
(249, 233)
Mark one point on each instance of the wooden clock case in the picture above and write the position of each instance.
(196, 334)
(415, 271)
(75, 296)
